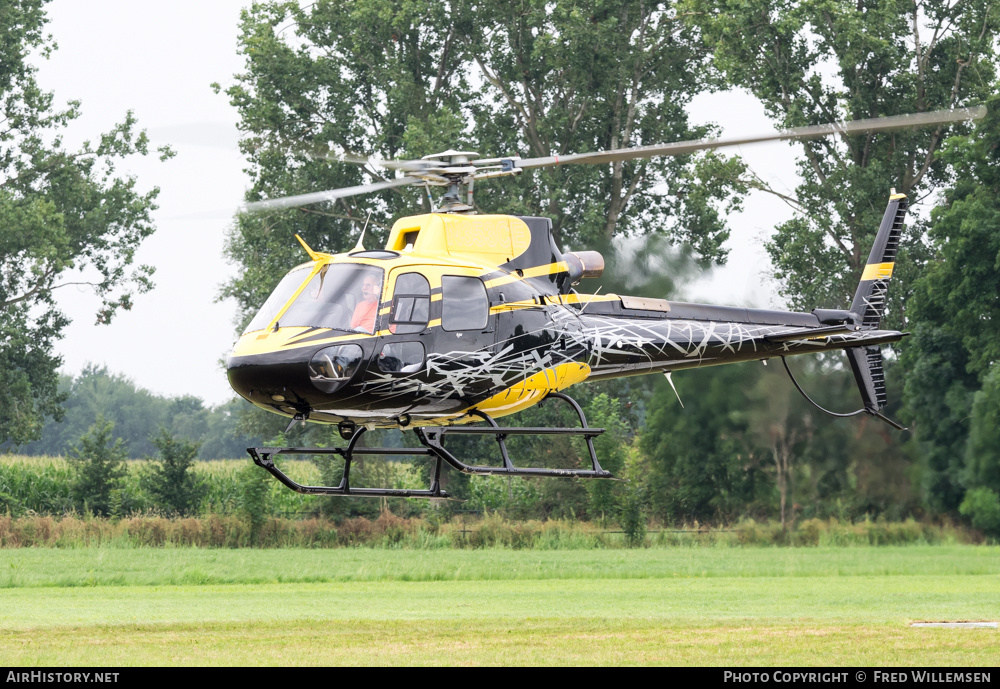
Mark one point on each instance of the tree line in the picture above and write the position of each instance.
(137, 418)
(541, 78)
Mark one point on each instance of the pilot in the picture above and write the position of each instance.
(364, 312)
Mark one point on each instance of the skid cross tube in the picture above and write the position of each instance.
(433, 439)
(264, 457)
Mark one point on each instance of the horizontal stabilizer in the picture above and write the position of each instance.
(812, 333)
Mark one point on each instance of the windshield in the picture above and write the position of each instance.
(341, 296)
(279, 297)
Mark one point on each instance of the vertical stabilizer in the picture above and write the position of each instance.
(869, 299)
(869, 303)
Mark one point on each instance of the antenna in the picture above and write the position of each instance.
(359, 246)
(314, 255)
(671, 381)
(591, 298)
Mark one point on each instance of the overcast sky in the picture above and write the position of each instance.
(158, 60)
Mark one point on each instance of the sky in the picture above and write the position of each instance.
(159, 60)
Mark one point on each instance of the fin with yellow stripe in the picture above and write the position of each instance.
(869, 303)
(869, 299)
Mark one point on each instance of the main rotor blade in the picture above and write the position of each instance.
(925, 119)
(331, 195)
(404, 165)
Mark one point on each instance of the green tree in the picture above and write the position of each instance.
(982, 461)
(955, 344)
(60, 210)
(632, 515)
(138, 414)
(702, 464)
(816, 61)
(96, 392)
(224, 435)
(573, 77)
(959, 287)
(982, 507)
(405, 80)
(939, 393)
(171, 481)
(782, 427)
(254, 501)
(612, 450)
(99, 467)
(355, 75)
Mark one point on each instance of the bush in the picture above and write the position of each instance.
(254, 499)
(172, 484)
(982, 507)
(99, 468)
(633, 517)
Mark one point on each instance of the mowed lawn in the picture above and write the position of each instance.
(689, 605)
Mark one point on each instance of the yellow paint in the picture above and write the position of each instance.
(257, 343)
(896, 197)
(538, 271)
(587, 298)
(446, 245)
(513, 306)
(314, 255)
(553, 299)
(533, 389)
(493, 239)
(877, 271)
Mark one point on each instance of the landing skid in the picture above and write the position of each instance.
(432, 440)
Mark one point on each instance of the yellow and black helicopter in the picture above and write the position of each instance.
(466, 318)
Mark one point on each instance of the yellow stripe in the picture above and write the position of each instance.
(537, 271)
(895, 197)
(513, 306)
(554, 299)
(533, 389)
(877, 271)
(559, 267)
(587, 298)
(270, 341)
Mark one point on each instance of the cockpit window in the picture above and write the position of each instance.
(279, 297)
(341, 296)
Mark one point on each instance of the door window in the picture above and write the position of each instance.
(464, 303)
(401, 357)
(411, 304)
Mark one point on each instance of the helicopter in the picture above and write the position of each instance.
(464, 318)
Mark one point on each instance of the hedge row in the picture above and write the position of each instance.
(389, 531)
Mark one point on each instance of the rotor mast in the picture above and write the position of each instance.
(456, 171)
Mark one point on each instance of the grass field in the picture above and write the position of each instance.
(717, 606)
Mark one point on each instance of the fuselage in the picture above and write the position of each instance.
(464, 313)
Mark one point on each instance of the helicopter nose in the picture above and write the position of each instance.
(268, 379)
(293, 376)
